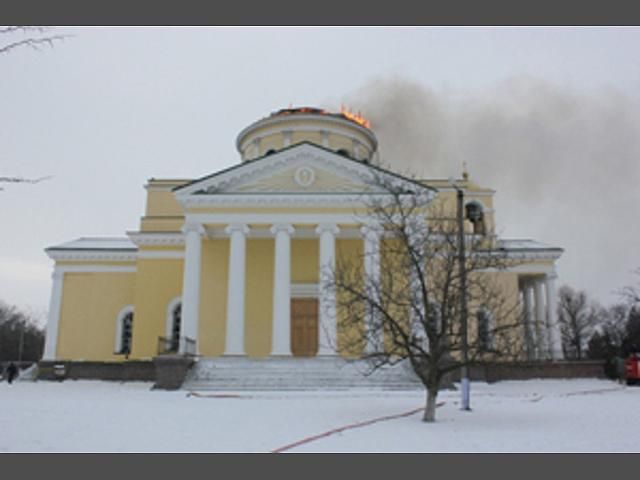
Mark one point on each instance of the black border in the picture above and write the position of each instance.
(289, 12)
(327, 12)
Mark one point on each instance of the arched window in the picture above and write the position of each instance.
(124, 331)
(475, 214)
(485, 336)
(174, 324)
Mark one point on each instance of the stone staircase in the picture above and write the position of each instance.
(289, 373)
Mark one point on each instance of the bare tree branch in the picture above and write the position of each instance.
(23, 180)
(36, 38)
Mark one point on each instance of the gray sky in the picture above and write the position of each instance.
(548, 117)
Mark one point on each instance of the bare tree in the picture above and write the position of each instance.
(14, 37)
(577, 318)
(631, 293)
(22, 180)
(20, 336)
(410, 308)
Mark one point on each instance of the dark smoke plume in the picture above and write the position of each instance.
(565, 164)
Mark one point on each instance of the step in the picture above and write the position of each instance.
(287, 373)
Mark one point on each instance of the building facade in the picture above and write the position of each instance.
(230, 264)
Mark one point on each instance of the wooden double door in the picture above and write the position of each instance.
(304, 327)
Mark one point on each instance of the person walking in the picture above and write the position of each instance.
(12, 372)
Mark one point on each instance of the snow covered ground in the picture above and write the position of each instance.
(523, 416)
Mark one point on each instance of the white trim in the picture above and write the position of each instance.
(173, 254)
(305, 290)
(53, 320)
(285, 227)
(192, 227)
(94, 269)
(212, 188)
(269, 200)
(112, 255)
(271, 218)
(527, 268)
(532, 255)
(372, 147)
(309, 232)
(152, 238)
(119, 318)
(168, 327)
(467, 193)
(296, 117)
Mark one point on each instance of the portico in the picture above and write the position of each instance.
(324, 232)
(541, 327)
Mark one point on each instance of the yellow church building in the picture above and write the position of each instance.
(228, 265)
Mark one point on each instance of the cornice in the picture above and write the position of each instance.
(156, 238)
(84, 255)
(301, 117)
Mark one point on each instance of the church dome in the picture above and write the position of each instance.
(345, 132)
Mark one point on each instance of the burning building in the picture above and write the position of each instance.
(225, 270)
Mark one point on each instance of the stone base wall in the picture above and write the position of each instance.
(169, 372)
(132, 370)
(493, 372)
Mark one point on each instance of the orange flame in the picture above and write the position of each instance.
(355, 117)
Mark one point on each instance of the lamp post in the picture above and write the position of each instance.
(464, 370)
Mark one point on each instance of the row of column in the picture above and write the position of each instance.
(542, 330)
(281, 338)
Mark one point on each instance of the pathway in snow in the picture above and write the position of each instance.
(347, 427)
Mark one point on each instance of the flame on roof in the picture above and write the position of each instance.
(345, 113)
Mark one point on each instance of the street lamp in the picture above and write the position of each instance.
(464, 370)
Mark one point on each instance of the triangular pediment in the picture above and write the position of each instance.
(302, 169)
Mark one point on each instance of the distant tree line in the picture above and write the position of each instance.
(20, 337)
(592, 331)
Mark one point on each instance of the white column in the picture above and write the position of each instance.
(235, 296)
(53, 319)
(552, 318)
(529, 322)
(355, 146)
(256, 147)
(327, 343)
(191, 285)
(325, 138)
(371, 235)
(541, 317)
(288, 135)
(281, 337)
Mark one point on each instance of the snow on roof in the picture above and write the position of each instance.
(97, 243)
(524, 244)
